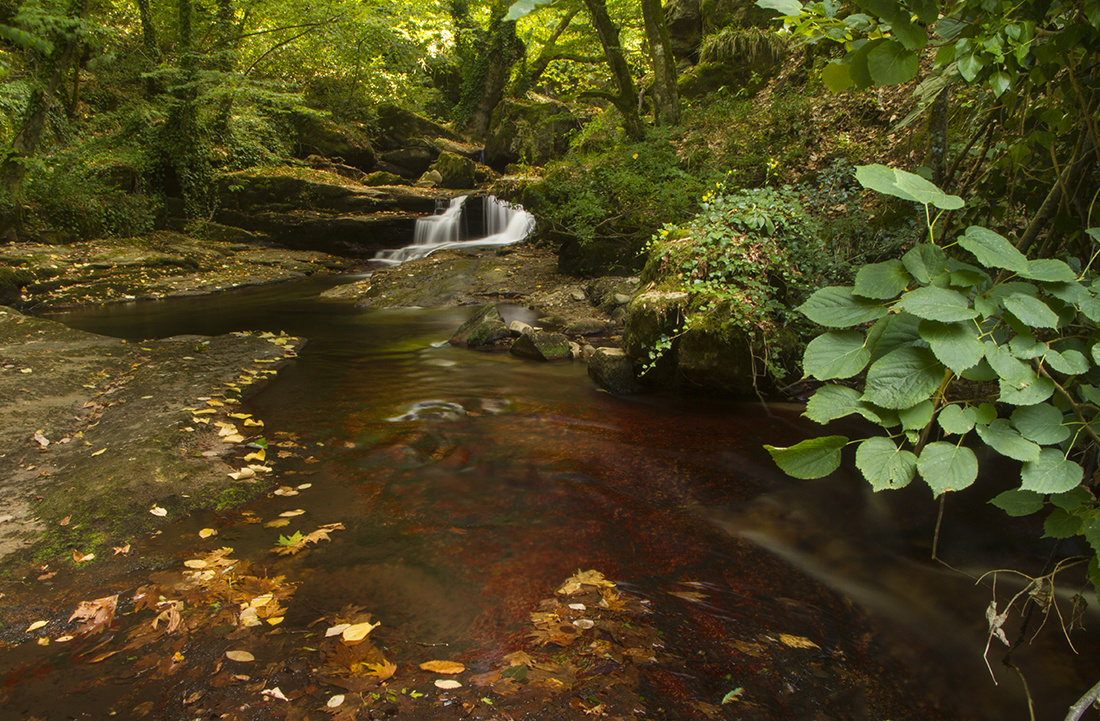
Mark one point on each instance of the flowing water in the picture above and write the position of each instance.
(471, 485)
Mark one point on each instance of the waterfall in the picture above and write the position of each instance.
(504, 224)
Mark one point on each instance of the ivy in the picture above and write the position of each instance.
(974, 308)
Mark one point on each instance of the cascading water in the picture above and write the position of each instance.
(504, 224)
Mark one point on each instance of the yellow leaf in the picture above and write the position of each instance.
(277, 523)
(291, 514)
(381, 670)
(259, 469)
(196, 563)
(242, 474)
(99, 452)
(335, 701)
(447, 683)
(158, 511)
(207, 533)
(214, 402)
(204, 421)
(262, 600)
(226, 429)
(304, 486)
(333, 631)
(240, 416)
(235, 438)
(241, 656)
(447, 667)
(63, 639)
(251, 422)
(177, 657)
(43, 641)
(256, 455)
(275, 620)
(358, 631)
(35, 626)
(796, 641)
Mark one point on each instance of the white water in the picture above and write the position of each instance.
(505, 224)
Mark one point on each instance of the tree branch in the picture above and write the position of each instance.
(1077, 710)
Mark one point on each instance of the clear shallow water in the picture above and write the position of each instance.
(471, 485)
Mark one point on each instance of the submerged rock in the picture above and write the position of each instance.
(483, 328)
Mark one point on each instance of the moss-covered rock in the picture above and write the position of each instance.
(318, 135)
(382, 177)
(485, 327)
(612, 370)
(650, 315)
(532, 131)
(399, 126)
(715, 359)
(542, 346)
(456, 171)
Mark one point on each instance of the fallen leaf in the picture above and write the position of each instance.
(207, 533)
(796, 641)
(64, 521)
(240, 656)
(43, 641)
(196, 563)
(256, 455)
(158, 511)
(447, 667)
(285, 491)
(81, 557)
(204, 412)
(124, 550)
(291, 514)
(100, 451)
(381, 671)
(277, 523)
(98, 614)
(240, 416)
(250, 422)
(335, 701)
(63, 639)
(304, 486)
(584, 578)
(689, 595)
(447, 683)
(274, 693)
(357, 632)
(335, 630)
(40, 439)
(242, 474)
(35, 626)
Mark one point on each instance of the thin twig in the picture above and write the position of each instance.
(1077, 710)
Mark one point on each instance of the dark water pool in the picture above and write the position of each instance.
(471, 485)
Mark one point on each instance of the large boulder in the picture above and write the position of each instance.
(718, 14)
(538, 345)
(531, 131)
(706, 78)
(456, 171)
(318, 135)
(684, 19)
(410, 162)
(715, 359)
(399, 127)
(612, 370)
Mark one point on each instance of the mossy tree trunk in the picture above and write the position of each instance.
(666, 99)
(625, 100)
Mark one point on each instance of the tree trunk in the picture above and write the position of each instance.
(666, 98)
(505, 49)
(624, 100)
(148, 31)
(547, 55)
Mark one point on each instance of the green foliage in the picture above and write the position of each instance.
(970, 342)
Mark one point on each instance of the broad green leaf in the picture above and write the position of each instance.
(927, 10)
(786, 8)
(1060, 524)
(1041, 423)
(981, 372)
(942, 304)
(836, 354)
(916, 417)
(903, 378)
(912, 36)
(993, 250)
(1096, 354)
(890, 63)
(1052, 473)
(969, 67)
(1069, 362)
(1091, 531)
(956, 419)
(1091, 308)
(884, 465)
(956, 345)
(836, 307)
(1008, 366)
(1026, 347)
(831, 402)
(1019, 503)
(947, 467)
(881, 179)
(1090, 393)
(986, 413)
(1000, 81)
(1026, 393)
(1072, 499)
(812, 458)
(925, 261)
(1007, 441)
(1031, 311)
(836, 76)
(1048, 270)
(926, 192)
(896, 330)
(881, 280)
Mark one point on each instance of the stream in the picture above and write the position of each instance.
(470, 486)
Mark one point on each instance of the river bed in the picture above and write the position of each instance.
(469, 486)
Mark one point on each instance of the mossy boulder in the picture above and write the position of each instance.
(532, 131)
(318, 135)
(12, 282)
(715, 359)
(542, 346)
(612, 370)
(484, 327)
(456, 171)
(382, 177)
(707, 78)
(399, 127)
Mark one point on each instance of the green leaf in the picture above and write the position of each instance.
(942, 304)
(956, 419)
(1008, 366)
(1000, 81)
(956, 345)
(836, 354)
(982, 372)
(1060, 524)
(1069, 362)
(925, 262)
(986, 413)
(926, 192)
(837, 77)
(947, 467)
(1026, 347)
(969, 67)
(1096, 354)
(1031, 311)
(881, 179)
(1041, 423)
(812, 458)
(884, 465)
(1007, 441)
(896, 330)
(520, 8)
(881, 280)
(831, 402)
(916, 417)
(890, 63)
(1052, 473)
(836, 307)
(1019, 503)
(1026, 393)
(1072, 499)
(1048, 270)
(787, 8)
(993, 250)
(903, 378)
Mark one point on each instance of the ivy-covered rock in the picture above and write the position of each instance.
(382, 177)
(715, 359)
(650, 316)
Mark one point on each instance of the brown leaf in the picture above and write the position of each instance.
(98, 614)
(65, 521)
(796, 641)
(447, 667)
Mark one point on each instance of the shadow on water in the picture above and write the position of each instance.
(471, 485)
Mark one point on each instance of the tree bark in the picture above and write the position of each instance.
(148, 31)
(495, 66)
(666, 98)
(624, 100)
